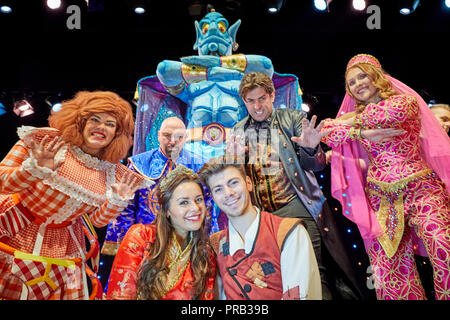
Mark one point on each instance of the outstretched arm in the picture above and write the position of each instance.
(339, 133)
(389, 113)
(306, 139)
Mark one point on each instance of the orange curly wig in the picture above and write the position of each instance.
(72, 117)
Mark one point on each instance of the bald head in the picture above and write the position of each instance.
(171, 137)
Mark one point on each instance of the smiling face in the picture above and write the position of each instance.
(360, 85)
(187, 208)
(98, 132)
(259, 103)
(231, 191)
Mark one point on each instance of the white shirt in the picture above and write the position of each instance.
(298, 261)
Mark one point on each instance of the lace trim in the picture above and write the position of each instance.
(64, 213)
(117, 200)
(24, 132)
(91, 162)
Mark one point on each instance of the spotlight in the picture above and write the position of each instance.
(320, 5)
(359, 5)
(2, 109)
(54, 102)
(56, 107)
(408, 7)
(305, 107)
(54, 4)
(23, 108)
(273, 6)
(447, 3)
(6, 9)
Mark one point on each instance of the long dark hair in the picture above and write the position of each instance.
(151, 281)
(72, 117)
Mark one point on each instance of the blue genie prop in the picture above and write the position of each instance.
(202, 90)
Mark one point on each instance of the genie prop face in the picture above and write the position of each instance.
(213, 35)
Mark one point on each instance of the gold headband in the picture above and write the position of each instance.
(180, 169)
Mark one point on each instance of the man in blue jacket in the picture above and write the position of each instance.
(154, 165)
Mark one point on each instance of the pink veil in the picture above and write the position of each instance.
(348, 176)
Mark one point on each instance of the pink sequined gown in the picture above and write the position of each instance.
(406, 195)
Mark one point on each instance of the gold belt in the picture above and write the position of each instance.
(390, 214)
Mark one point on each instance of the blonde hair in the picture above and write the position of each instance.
(72, 117)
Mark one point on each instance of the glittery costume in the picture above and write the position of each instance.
(404, 190)
(131, 255)
(42, 238)
(153, 165)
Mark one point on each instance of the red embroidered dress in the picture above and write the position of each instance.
(40, 215)
(132, 253)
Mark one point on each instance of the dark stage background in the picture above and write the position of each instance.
(41, 59)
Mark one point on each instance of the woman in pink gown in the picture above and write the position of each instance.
(169, 259)
(401, 201)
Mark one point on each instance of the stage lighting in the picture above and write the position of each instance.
(447, 3)
(23, 108)
(273, 6)
(305, 107)
(408, 7)
(54, 102)
(359, 5)
(5, 9)
(320, 5)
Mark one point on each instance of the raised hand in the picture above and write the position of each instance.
(45, 154)
(127, 185)
(311, 135)
(381, 134)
